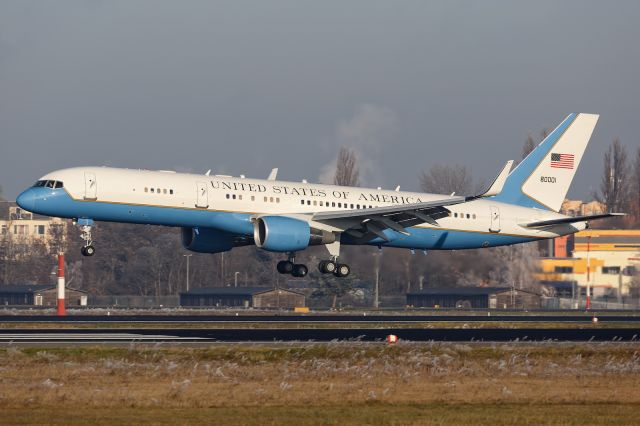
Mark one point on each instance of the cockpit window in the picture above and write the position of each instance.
(48, 184)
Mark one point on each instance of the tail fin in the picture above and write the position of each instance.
(543, 178)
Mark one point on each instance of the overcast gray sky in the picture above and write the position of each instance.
(244, 86)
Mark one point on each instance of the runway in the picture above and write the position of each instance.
(313, 318)
(208, 335)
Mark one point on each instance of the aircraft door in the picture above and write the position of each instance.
(90, 186)
(202, 199)
(495, 219)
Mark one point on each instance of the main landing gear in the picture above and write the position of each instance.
(330, 266)
(85, 228)
(289, 266)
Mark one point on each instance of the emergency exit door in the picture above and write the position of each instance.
(495, 219)
(202, 200)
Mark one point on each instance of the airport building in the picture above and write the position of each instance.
(474, 298)
(39, 295)
(608, 259)
(243, 297)
(24, 227)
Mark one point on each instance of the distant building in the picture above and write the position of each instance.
(39, 295)
(580, 208)
(614, 258)
(24, 227)
(243, 297)
(474, 298)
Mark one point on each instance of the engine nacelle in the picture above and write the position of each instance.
(206, 240)
(285, 234)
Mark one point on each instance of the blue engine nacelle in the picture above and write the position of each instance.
(285, 234)
(206, 240)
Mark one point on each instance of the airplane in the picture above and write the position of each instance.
(217, 212)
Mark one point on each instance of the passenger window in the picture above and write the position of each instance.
(315, 203)
(455, 215)
(277, 199)
(474, 215)
(158, 190)
(164, 191)
(321, 203)
(171, 191)
(271, 199)
(265, 199)
(339, 204)
(308, 202)
(333, 204)
(233, 196)
(152, 190)
(468, 216)
(240, 197)
(228, 196)
(253, 198)
(351, 205)
(302, 202)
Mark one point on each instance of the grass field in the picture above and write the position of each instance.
(337, 383)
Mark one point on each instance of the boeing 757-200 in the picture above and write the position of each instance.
(217, 213)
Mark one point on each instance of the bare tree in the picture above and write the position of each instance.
(636, 187)
(529, 145)
(445, 179)
(347, 172)
(614, 188)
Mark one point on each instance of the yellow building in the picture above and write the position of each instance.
(614, 258)
(23, 227)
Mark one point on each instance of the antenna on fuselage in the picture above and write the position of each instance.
(273, 174)
(398, 188)
(208, 172)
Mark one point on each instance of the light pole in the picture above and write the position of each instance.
(376, 290)
(235, 279)
(187, 256)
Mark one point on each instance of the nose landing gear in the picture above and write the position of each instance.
(85, 228)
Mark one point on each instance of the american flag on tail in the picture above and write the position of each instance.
(562, 161)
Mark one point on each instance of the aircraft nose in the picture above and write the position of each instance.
(27, 200)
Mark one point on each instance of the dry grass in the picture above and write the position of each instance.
(324, 383)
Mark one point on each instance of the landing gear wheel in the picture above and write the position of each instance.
(285, 267)
(88, 251)
(299, 271)
(342, 270)
(327, 266)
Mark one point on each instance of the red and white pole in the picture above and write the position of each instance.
(61, 310)
(588, 299)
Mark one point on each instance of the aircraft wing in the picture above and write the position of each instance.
(367, 224)
(551, 222)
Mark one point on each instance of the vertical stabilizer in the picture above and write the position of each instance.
(542, 179)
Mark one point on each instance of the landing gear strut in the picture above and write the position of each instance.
(85, 228)
(289, 266)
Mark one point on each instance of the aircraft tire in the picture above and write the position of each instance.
(285, 267)
(300, 271)
(342, 270)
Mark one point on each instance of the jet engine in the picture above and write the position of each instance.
(285, 234)
(206, 240)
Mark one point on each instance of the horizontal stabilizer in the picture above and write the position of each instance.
(560, 221)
